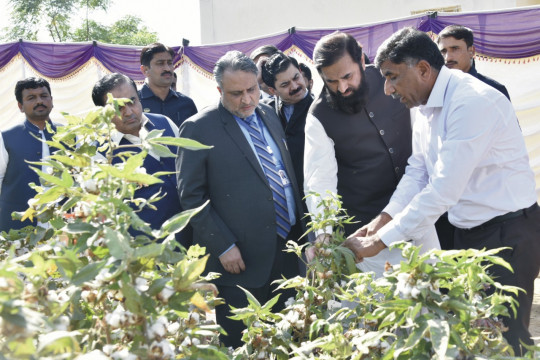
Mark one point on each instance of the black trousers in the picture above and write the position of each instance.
(522, 236)
(285, 264)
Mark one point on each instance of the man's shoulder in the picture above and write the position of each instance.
(207, 113)
(493, 83)
(14, 128)
(145, 92)
(157, 118)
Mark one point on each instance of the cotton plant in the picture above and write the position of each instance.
(433, 305)
(84, 287)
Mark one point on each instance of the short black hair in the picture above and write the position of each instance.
(409, 45)
(148, 52)
(267, 50)
(106, 84)
(30, 83)
(276, 64)
(305, 70)
(332, 47)
(458, 32)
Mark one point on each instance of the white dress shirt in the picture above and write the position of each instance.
(469, 158)
(117, 136)
(320, 176)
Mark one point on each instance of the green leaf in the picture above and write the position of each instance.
(66, 181)
(440, 335)
(188, 272)
(179, 221)
(87, 273)
(59, 342)
(133, 300)
(251, 299)
(118, 244)
(157, 285)
(149, 251)
(180, 142)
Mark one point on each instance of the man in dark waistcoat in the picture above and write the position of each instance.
(133, 125)
(357, 139)
(291, 102)
(21, 143)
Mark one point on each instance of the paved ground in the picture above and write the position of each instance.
(534, 327)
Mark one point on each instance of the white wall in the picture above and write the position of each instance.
(235, 20)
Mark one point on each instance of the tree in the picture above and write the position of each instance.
(29, 16)
(127, 31)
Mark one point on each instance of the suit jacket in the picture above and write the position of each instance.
(241, 209)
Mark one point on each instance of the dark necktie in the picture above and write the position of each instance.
(271, 171)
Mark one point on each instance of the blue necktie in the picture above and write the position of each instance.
(271, 171)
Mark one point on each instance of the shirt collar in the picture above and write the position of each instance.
(472, 71)
(146, 92)
(34, 128)
(436, 97)
(117, 136)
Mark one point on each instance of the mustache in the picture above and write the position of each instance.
(296, 91)
(39, 105)
(166, 72)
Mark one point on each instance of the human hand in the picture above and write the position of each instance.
(232, 261)
(311, 250)
(374, 226)
(364, 246)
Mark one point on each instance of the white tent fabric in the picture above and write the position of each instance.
(72, 94)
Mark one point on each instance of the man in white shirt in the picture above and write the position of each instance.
(469, 158)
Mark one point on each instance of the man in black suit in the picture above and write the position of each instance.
(249, 179)
(291, 102)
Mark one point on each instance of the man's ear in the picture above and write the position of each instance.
(20, 106)
(219, 89)
(424, 69)
(144, 69)
(472, 50)
(272, 91)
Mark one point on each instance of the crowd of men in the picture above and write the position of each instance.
(458, 178)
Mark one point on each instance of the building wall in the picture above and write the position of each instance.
(236, 20)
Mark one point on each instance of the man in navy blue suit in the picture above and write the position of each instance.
(21, 143)
(130, 128)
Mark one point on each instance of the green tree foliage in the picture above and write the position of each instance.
(127, 31)
(58, 17)
(29, 16)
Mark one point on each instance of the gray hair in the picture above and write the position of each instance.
(233, 61)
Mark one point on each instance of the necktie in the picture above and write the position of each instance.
(271, 171)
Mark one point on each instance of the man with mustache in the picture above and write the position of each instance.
(456, 45)
(21, 143)
(470, 159)
(249, 179)
(357, 140)
(131, 126)
(291, 101)
(156, 94)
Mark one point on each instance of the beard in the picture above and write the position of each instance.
(353, 103)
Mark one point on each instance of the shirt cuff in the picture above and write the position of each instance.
(392, 209)
(230, 247)
(389, 234)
